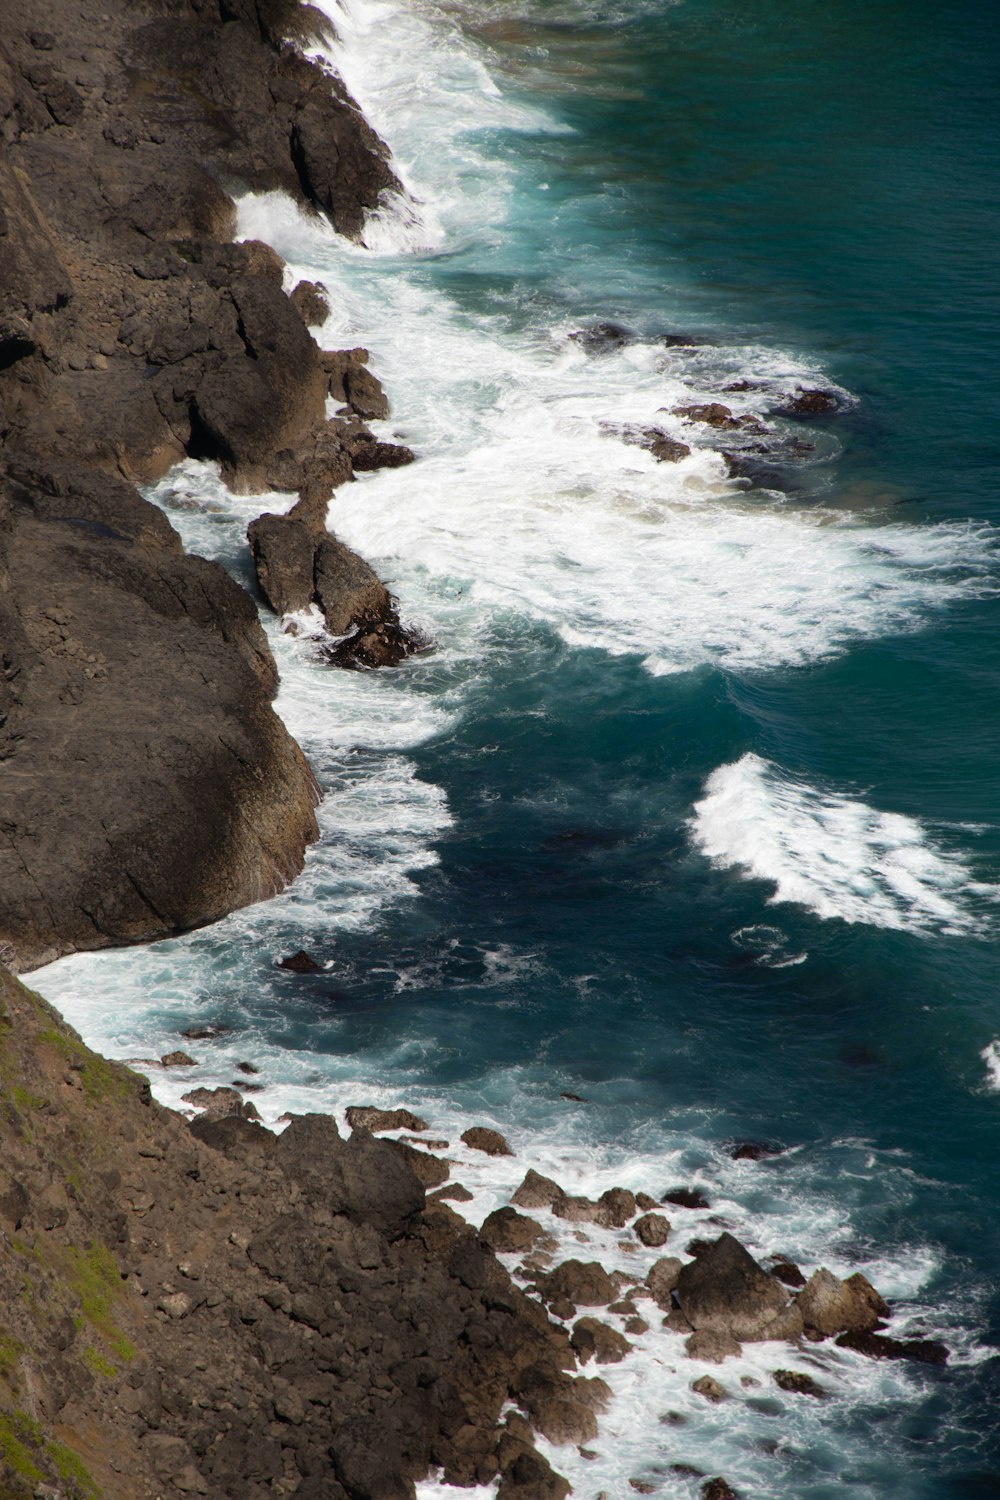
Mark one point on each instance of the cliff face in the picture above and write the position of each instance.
(213, 1310)
(146, 786)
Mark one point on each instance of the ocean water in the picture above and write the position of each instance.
(692, 810)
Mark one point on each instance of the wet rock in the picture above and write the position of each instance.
(311, 301)
(246, 1067)
(809, 403)
(602, 338)
(686, 1197)
(615, 1207)
(644, 1203)
(506, 1231)
(709, 1387)
(573, 1098)
(697, 1247)
(297, 963)
(880, 1346)
(724, 1290)
(718, 1489)
(479, 1138)
(796, 1383)
(583, 1283)
(592, 1339)
(750, 1150)
(526, 1475)
(662, 1278)
(829, 1305)
(369, 1117)
(642, 1486)
(709, 414)
(177, 1060)
(636, 1326)
(365, 394)
(205, 1033)
(712, 1347)
(652, 1229)
(537, 1191)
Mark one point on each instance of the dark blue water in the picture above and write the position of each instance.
(821, 180)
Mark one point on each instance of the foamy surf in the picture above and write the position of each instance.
(835, 855)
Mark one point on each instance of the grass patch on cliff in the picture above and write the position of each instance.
(19, 1436)
(69, 1465)
(100, 1078)
(95, 1279)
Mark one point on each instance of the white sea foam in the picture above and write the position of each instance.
(834, 854)
(991, 1057)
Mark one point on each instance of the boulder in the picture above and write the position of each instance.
(829, 1305)
(725, 1291)
(508, 1232)
(311, 301)
(788, 1273)
(652, 1229)
(809, 403)
(367, 1179)
(592, 1339)
(298, 963)
(479, 1138)
(537, 1191)
(429, 1170)
(220, 1101)
(718, 1489)
(798, 1384)
(709, 1387)
(177, 1060)
(583, 1283)
(603, 337)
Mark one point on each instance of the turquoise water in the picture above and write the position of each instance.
(554, 846)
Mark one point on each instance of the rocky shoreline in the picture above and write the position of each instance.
(203, 1307)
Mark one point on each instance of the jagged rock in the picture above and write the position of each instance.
(583, 1283)
(507, 1231)
(368, 1117)
(297, 963)
(429, 1170)
(652, 1229)
(177, 1060)
(537, 1191)
(612, 1210)
(592, 1339)
(479, 1138)
(829, 1305)
(809, 403)
(711, 1346)
(724, 1290)
(710, 1388)
(749, 1150)
(644, 1203)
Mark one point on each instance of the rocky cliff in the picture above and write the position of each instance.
(146, 785)
(209, 1309)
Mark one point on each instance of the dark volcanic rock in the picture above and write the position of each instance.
(368, 1117)
(685, 1197)
(311, 302)
(298, 963)
(481, 1138)
(829, 1305)
(601, 338)
(505, 1230)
